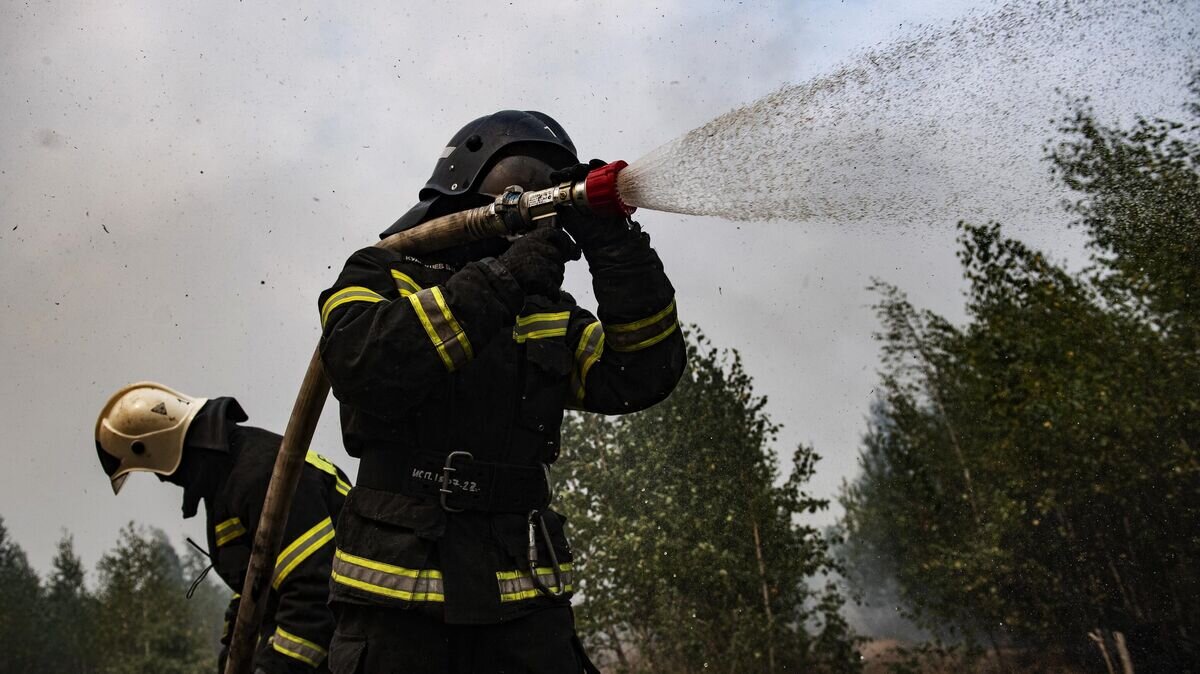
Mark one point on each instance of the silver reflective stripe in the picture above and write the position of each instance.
(541, 326)
(387, 580)
(446, 151)
(228, 530)
(326, 466)
(645, 333)
(519, 585)
(405, 283)
(347, 295)
(589, 350)
(297, 648)
(442, 327)
(301, 548)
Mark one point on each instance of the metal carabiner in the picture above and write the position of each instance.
(559, 587)
(549, 484)
(448, 468)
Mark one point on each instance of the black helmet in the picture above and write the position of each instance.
(476, 148)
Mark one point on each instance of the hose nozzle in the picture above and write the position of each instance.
(596, 195)
(600, 194)
(516, 211)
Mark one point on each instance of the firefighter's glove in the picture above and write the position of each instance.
(538, 260)
(575, 173)
(590, 232)
(593, 233)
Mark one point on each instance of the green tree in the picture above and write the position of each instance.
(70, 614)
(208, 601)
(147, 625)
(692, 554)
(22, 637)
(1032, 475)
(1140, 205)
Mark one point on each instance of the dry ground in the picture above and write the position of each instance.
(881, 655)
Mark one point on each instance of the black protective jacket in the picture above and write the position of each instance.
(428, 360)
(298, 624)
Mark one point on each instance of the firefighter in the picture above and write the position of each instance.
(199, 444)
(453, 371)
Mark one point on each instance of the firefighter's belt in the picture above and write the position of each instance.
(457, 481)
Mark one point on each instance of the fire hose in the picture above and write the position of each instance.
(514, 212)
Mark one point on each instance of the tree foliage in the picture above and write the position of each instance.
(70, 612)
(1032, 476)
(21, 638)
(136, 621)
(147, 625)
(692, 551)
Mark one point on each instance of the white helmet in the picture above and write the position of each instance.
(142, 427)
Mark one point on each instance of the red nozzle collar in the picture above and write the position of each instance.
(602, 195)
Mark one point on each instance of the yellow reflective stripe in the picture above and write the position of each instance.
(351, 294)
(530, 594)
(441, 327)
(519, 585)
(386, 568)
(228, 524)
(591, 347)
(645, 333)
(405, 283)
(591, 360)
(524, 573)
(646, 343)
(433, 335)
(297, 647)
(326, 466)
(540, 334)
(589, 351)
(320, 463)
(406, 595)
(229, 530)
(637, 325)
(386, 579)
(541, 326)
(301, 549)
(543, 318)
(459, 334)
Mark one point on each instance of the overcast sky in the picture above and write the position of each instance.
(179, 181)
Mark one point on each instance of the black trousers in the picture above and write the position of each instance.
(371, 640)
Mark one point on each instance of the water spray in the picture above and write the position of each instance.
(923, 146)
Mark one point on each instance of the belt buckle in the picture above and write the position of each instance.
(448, 468)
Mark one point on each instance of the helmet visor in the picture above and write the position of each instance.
(118, 482)
(530, 173)
(111, 465)
(108, 462)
